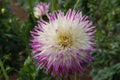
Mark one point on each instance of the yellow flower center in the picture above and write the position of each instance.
(65, 39)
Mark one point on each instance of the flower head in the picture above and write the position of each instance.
(63, 44)
(41, 9)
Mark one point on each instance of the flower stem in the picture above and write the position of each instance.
(52, 5)
(55, 5)
(76, 4)
(3, 70)
(62, 78)
(31, 10)
(75, 76)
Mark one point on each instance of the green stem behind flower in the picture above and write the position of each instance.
(31, 10)
(53, 3)
(75, 76)
(76, 4)
(3, 70)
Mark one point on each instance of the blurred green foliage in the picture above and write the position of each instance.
(107, 20)
(14, 37)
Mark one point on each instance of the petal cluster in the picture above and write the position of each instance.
(63, 45)
(41, 9)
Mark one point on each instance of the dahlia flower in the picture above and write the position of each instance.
(63, 45)
(41, 9)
